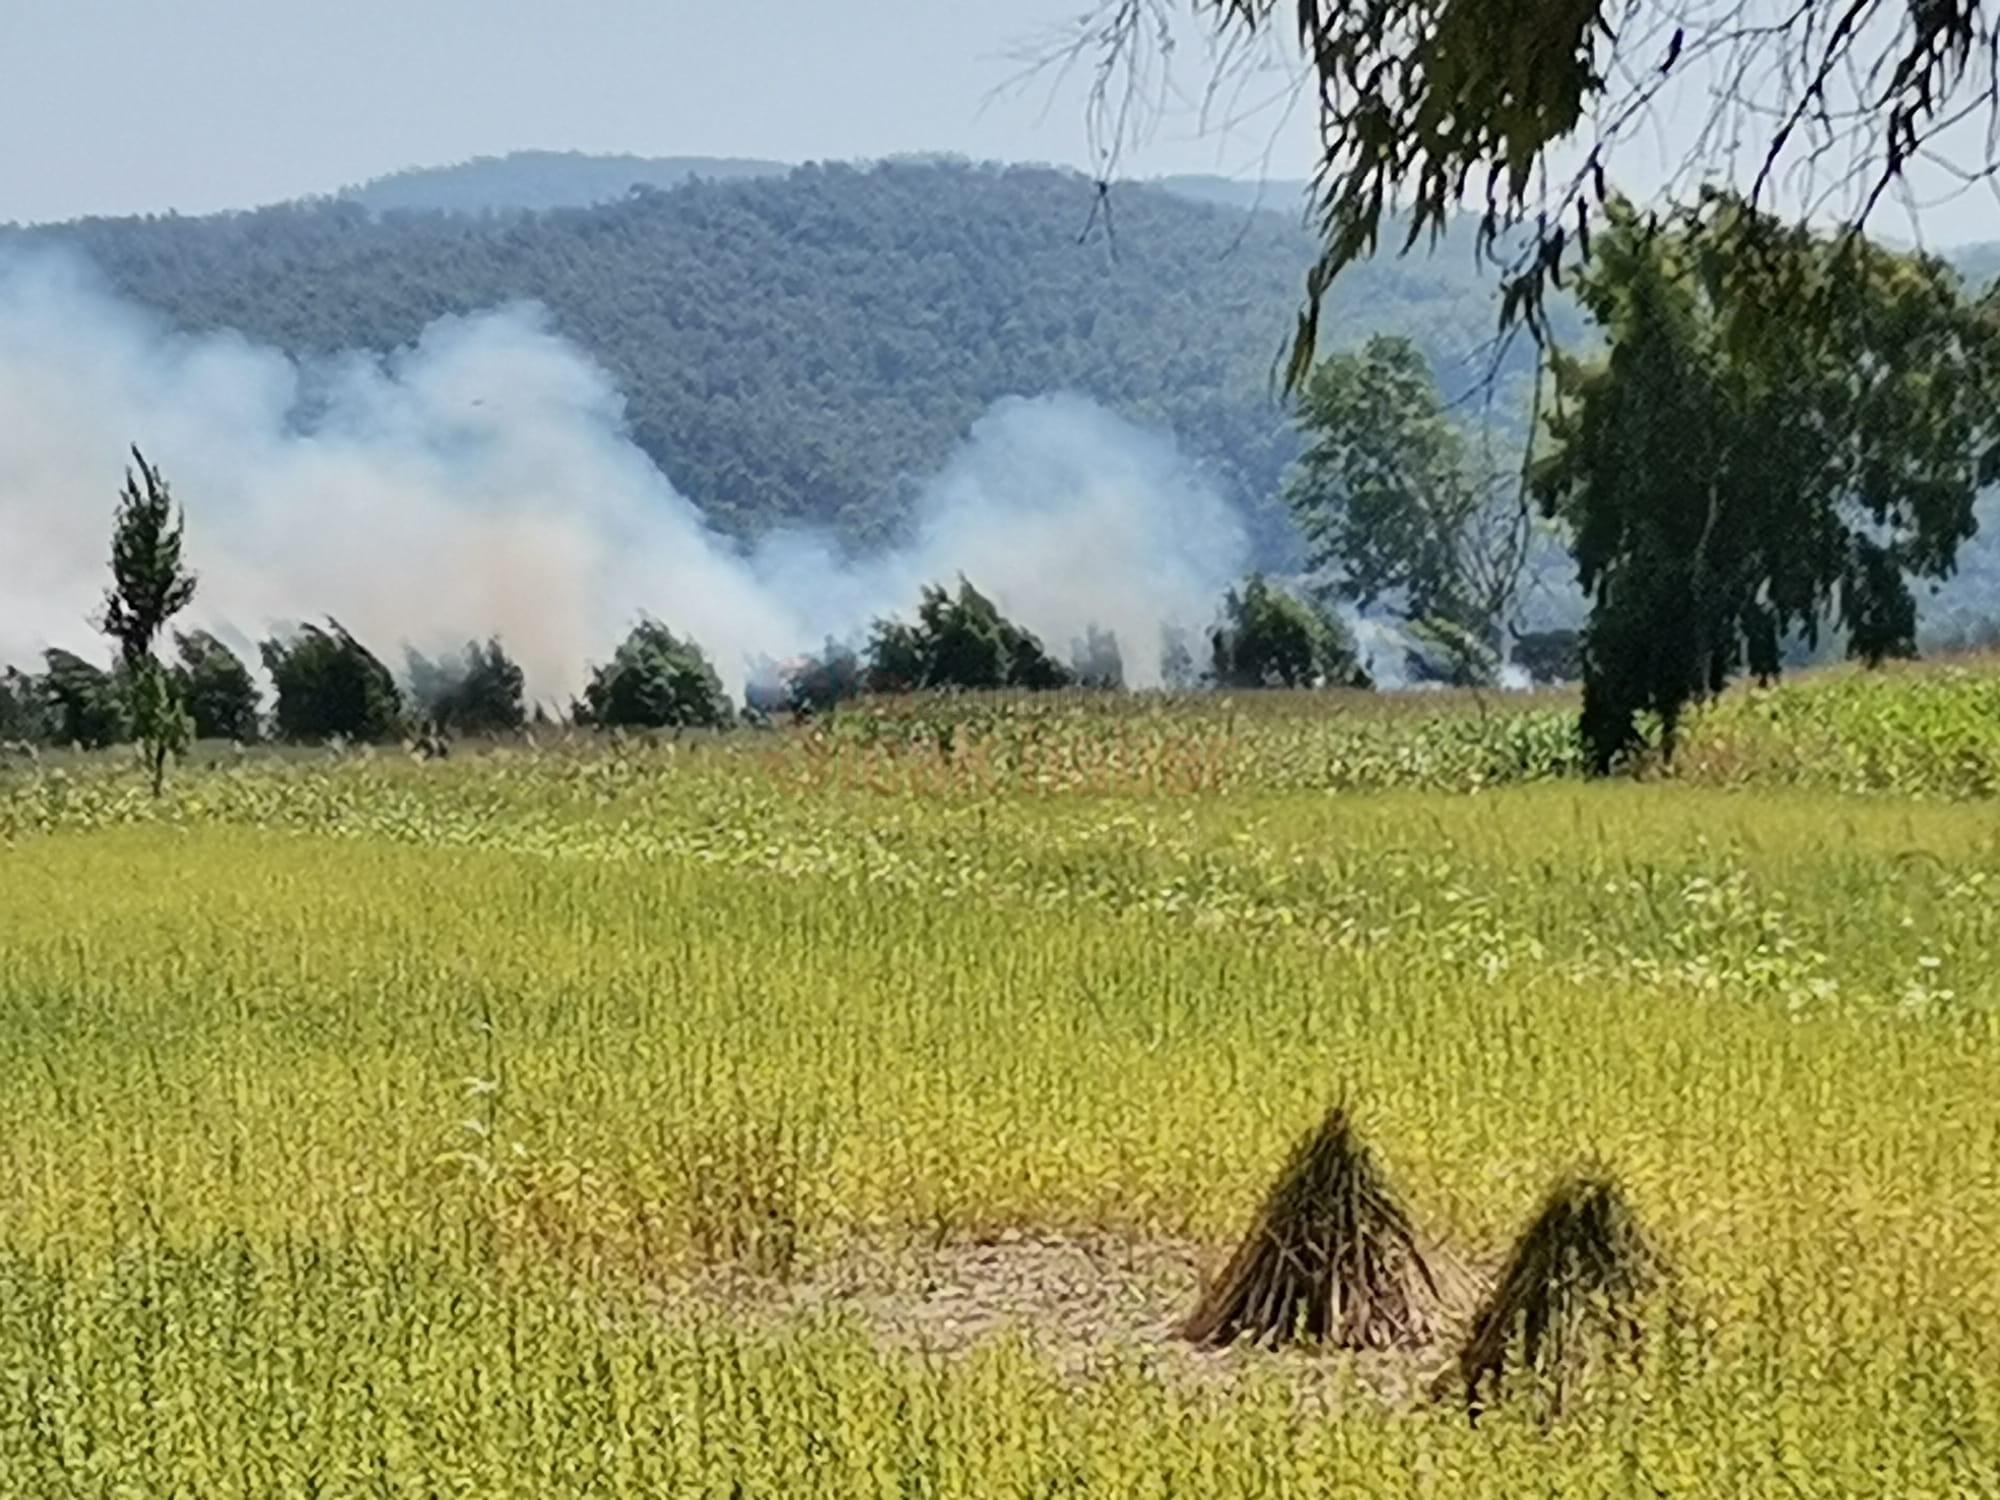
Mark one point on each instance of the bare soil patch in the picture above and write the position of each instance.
(1084, 1303)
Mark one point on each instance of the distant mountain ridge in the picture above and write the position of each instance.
(807, 346)
(536, 181)
(809, 349)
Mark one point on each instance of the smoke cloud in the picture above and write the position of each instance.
(482, 482)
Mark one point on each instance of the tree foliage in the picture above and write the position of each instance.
(84, 704)
(656, 680)
(1549, 655)
(819, 683)
(1520, 115)
(1732, 473)
(1179, 671)
(1394, 502)
(1268, 637)
(149, 581)
(1095, 660)
(479, 694)
(958, 641)
(808, 349)
(22, 716)
(149, 585)
(220, 694)
(160, 718)
(329, 686)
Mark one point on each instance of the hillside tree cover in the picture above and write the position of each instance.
(330, 686)
(810, 349)
(529, 181)
(150, 584)
(1732, 473)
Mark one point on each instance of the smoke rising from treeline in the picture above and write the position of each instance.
(482, 482)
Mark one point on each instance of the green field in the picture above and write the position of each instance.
(851, 1111)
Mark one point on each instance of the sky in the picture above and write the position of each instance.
(121, 106)
(125, 106)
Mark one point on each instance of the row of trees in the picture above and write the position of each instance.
(1264, 636)
(74, 701)
(1732, 480)
(327, 685)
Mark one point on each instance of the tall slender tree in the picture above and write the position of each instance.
(150, 584)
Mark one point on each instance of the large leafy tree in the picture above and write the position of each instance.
(1396, 502)
(1270, 638)
(330, 686)
(150, 584)
(1732, 473)
(480, 693)
(1521, 114)
(83, 704)
(958, 641)
(220, 694)
(656, 680)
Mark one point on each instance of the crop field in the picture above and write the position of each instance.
(860, 1109)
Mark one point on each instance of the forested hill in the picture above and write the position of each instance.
(537, 180)
(808, 348)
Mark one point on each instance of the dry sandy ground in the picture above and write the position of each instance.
(1081, 1303)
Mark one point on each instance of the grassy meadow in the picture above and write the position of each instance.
(705, 1119)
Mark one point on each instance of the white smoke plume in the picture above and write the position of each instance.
(482, 482)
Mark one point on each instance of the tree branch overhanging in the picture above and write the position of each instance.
(1522, 115)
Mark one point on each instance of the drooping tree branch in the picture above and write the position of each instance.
(1521, 115)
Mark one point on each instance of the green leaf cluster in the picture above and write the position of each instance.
(479, 694)
(221, 695)
(656, 680)
(958, 641)
(1733, 474)
(1270, 638)
(330, 686)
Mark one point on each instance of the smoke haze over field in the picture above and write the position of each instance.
(482, 482)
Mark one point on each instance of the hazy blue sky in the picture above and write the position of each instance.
(120, 106)
(116, 106)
